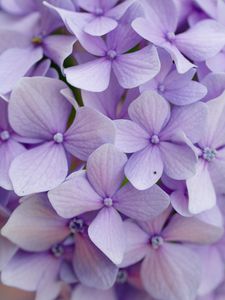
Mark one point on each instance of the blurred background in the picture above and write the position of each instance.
(8, 293)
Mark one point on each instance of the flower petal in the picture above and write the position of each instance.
(89, 131)
(92, 267)
(39, 169)
(144, 168)
(100, 26)
(136, 68)
(107, 233)
(86, 293)
(92, 76)
(74, 196)
(172, 272)
(34, 226)
(141, 205)
(105, 169)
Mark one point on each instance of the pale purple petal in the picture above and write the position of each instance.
(7, 250)
(39, 169)
(144, 168)
(172, 272)
(202, 41)
(100, 26)
(15, 63)
(89, 131)
(215, 83)
(201, 192)
(130, 137)
(151, 111)
(34, 226)
(107, 232)
(58, 48)
(86, 293)
(8, 151)
(37, 109)
(134, 69)
(92, 76)
(92, 267)
(105, 169)
(141, 205)
(74, 196)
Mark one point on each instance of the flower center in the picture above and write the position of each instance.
(58, 137)
(108, 202)
(111, 54)
(4, 135)
(99, 11)
(208, 154)
(76, 225)
(36, 40)
(57, 250)
(122, 276)
(170, 36)
(154, 139)
(161, 88)
(156, 241)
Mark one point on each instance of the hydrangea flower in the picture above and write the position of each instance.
(99, 189)
(39, 113)
(202, 41)
(157, 140)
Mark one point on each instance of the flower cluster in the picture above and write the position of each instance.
(112, 149)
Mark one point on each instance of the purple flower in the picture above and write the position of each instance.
(20, 51)
(9, 147)
(209, 177)
(156, 137)
(98, 188)
(178, 89)
(170, 269)
(130, 69)
(42, 232)
(38, 112)
(99, 18)
(202, 41)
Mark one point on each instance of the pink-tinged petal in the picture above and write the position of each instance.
(201, 192)
(178, 157)
(136, 244)
(25, 270)
(37, 109)
(15, 63)
(92, 76)
(107, 232)
(34, 225)
(74, 196)
(151, 111)
(191, 119)
(192, 230)
(211, 260)
(182, 63)
(130, 137)
(172, 272)
(7, 250)
(202, 41)
(9, 150)
(214, 128)
(144, 168)
(86, 293)
(134, 69)
(141, 205)
(58, 48)
(100, 26)
(105, 169)
(39, 169)
(92, 267)
(89, 131)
